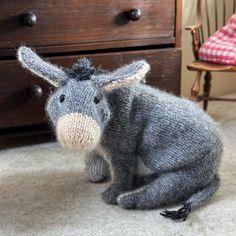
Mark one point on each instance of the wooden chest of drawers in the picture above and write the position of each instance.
(109, 32)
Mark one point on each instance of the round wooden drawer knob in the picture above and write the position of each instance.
(134, 14)
(29, 19)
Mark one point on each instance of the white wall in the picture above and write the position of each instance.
(222, 83)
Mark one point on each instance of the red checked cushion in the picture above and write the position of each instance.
(221, 46)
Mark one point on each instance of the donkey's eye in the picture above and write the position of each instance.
(97, 99)
(62, 98)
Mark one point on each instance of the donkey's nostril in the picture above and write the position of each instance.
(78, 131)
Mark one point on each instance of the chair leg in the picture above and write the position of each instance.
(196, 87)
(206, 89)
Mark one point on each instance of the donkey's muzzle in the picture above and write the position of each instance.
(77, 131)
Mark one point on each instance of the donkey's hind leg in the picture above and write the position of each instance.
(171, 188)
(168, 188)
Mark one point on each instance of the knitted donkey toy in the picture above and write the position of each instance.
(127, 123)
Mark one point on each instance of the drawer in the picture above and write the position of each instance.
(72, 22)
(23, 104)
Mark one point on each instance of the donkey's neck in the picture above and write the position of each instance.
(120, 102)
(119, 129)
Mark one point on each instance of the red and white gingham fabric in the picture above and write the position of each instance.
(221, 46)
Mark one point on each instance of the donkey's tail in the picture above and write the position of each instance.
(196, 200)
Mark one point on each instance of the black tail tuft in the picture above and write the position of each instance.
(179, 215)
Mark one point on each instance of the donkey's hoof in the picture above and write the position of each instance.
(127, 201)
(97, 179)
(110, 196)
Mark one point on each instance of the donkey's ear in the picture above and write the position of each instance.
(122, 77)
(51, 73)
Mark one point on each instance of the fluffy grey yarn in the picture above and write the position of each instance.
(174, 138)
(178, 144)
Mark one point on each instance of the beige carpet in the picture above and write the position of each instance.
(44, 191)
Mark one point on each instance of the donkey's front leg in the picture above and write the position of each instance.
(122, 166)
(97, 168)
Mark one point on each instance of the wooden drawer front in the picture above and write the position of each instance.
(68, 22)
(19, 107)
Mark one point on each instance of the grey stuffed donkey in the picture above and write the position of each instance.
(123, 122)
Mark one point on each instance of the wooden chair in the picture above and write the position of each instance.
(200, 32)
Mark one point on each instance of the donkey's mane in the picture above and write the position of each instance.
(83, 70)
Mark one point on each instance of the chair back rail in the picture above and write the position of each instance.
(213, 14)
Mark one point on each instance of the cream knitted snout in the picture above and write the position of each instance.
(77, 131)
